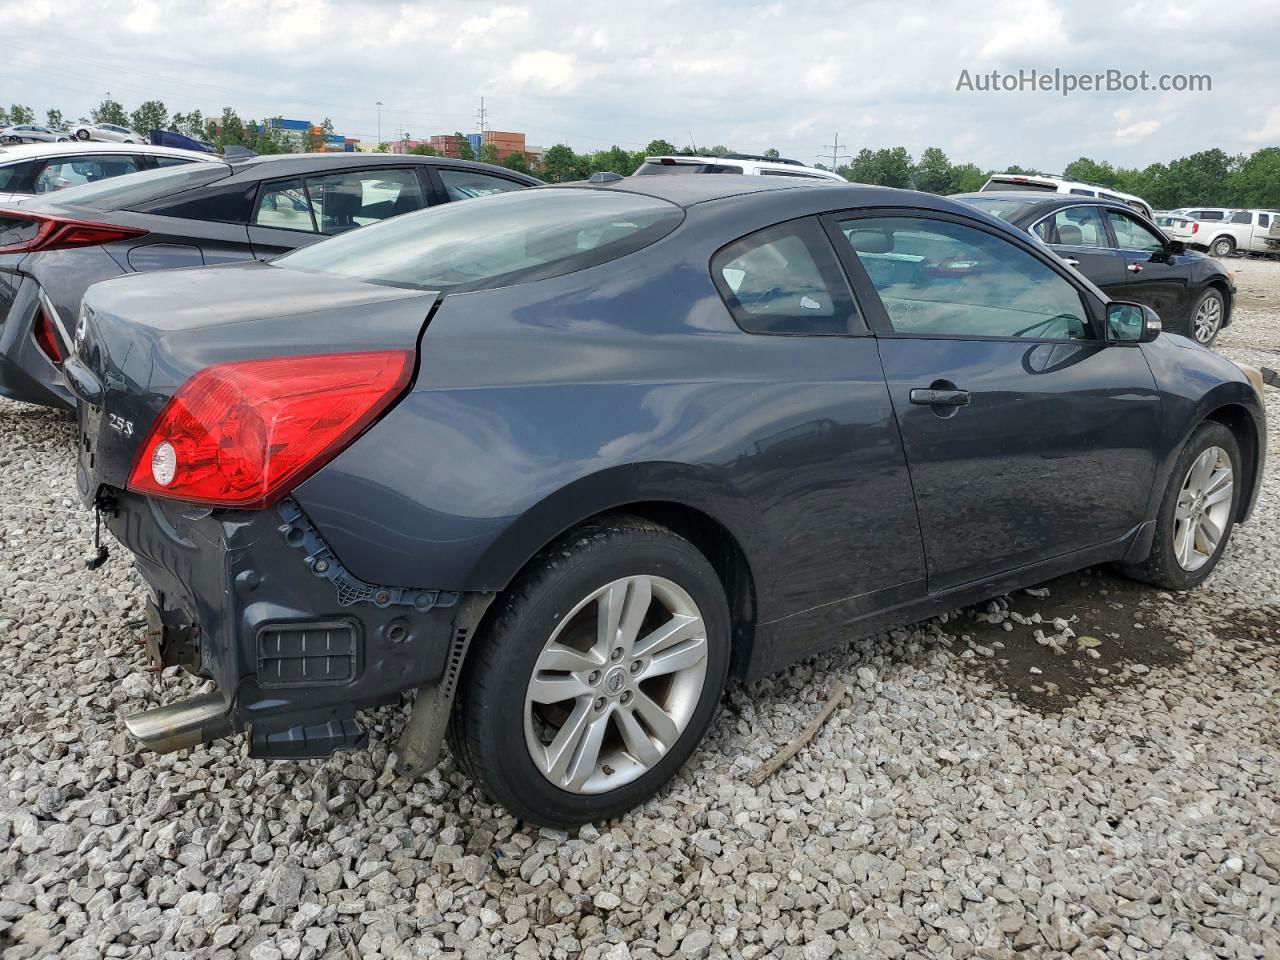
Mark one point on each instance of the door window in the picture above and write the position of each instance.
(1132, 235)
(17, 177)
(784, 280)
(338, 202)
(1263, 219)
(163, 161)
(1240, 216)
(944, 279)
(1074, 226)
(63, 172)
(465, 184)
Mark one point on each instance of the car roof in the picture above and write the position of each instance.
(1045, 201)
(282, 163)
(28, 151)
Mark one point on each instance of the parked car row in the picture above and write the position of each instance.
(42, 133)
(566, 458)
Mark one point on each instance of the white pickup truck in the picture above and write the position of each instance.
(1243, 231)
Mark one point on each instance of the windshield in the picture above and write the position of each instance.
(494, 241)
(119, 193)
(1004, 209)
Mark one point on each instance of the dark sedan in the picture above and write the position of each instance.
(53, 247)
(565, 459)
(1126, 255)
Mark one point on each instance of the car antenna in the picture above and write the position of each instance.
(693, 144)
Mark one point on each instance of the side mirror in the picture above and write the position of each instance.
(1176, 247)
(1131, 323)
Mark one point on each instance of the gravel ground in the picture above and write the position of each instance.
(980, 794)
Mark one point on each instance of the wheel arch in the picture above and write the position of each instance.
(1237, 418)
(721, 524)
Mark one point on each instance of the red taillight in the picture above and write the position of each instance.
(22, 232)
(1195, 227)
(244, 434)
(47, 337)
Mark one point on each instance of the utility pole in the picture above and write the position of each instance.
(379, 123)
(835, 155)
(482, 123)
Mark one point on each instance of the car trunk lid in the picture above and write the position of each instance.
(139, 338)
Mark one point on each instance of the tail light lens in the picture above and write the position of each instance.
(244, 434)
(22, 232)
(1195, 227)
(47, 337)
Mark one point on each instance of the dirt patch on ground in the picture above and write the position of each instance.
(1118, 636)
(1257, 281)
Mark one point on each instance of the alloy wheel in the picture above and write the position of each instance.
(616, 684)
(1208, 320)
(1203, 509)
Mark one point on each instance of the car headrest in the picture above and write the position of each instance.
(1070, 233)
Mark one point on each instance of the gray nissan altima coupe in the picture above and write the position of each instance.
(566, 459)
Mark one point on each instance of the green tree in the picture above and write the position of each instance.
(488, 153)
(966, 178)
(772, 153)
(53, 118)
(719, 150)
(1256, 181)
(1201, 177)
(20, 114)
(932, 172)
(1015, 169)
(382, 148)
(659, 148)
(326, 126)
(888, 167)
(517, 161)
(109, 111)
(425, 150)
(559, 164)
(1090, 171)
(152, 115)
(615, 160)
(464, 146)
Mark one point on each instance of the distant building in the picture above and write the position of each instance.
(506, 144)
(303, 136)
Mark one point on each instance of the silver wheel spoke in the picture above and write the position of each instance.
(1219, 489)
(622, 610)
(1200, 469)
(556, 687)
(573, 754)
(557, 657)
(637, 739)
(1210, 534)
(1185, 542)
(679, 656)
(676, 630)
(657, 719)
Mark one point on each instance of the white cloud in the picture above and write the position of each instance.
(1137, 131)
(547, 70)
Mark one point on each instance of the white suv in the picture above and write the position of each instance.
(745, 163)
(1051, 183)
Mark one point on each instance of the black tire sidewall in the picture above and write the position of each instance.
(1163, 559)
(514, 779)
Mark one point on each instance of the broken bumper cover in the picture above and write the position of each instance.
(256, 602)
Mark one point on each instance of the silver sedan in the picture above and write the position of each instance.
(32, 133)
(107, 131)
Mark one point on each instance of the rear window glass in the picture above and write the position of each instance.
(494, 241)
(1004, 209)
(120, 193)
(995, 186)
(656, 168)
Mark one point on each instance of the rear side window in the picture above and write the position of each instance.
(1074, 226)
(218, 204)
(785, 280)
(466, 184)
(338, 202)
(1006, 185)
(1241, 216)
(163, 161)
(65, 172)
(1084, 193)
(937, 278)
(495, 241)
(1264, 220)
(149, 185)
(18, 177)
(657, 168)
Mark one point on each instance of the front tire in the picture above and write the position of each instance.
(1198, 511)
(1223, 247)
(595, 675)
(1207, 317)
(82, 134)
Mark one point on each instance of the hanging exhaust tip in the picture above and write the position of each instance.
(181, 726)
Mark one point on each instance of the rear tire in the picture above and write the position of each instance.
(1204, 480)
(82, 134)
(1207, 317)
(554, 762)
(1223, 247)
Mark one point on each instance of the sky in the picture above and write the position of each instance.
(748, 75)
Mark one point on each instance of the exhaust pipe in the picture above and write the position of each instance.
(181, 726)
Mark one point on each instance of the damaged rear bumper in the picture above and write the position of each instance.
(295, 644)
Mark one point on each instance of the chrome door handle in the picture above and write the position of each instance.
(939, 398)
(1071, 261)
(1135, 268)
